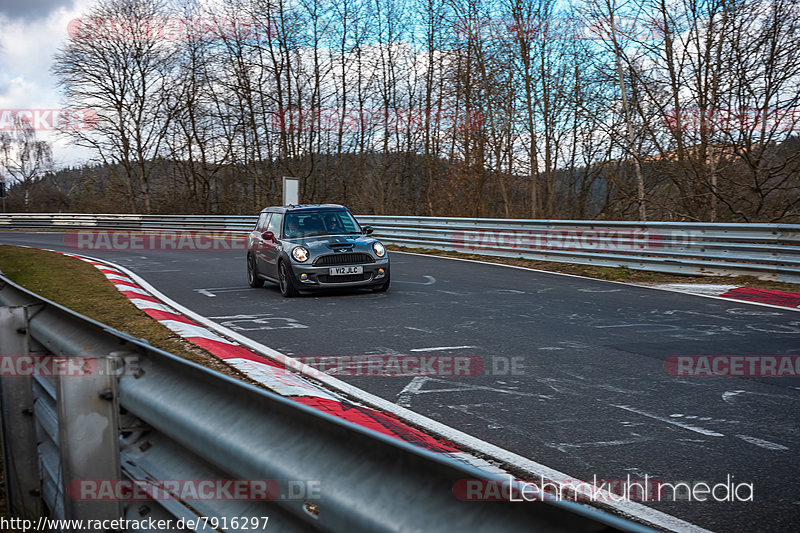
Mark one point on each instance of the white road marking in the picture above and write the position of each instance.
(673, 312)
(264, 322)
(418, 329)
(457, 386)
(649, 325)
(599, 290)
(696, 429)
(763, 443)
(792, 328)
(729, 396)
(208, 290)
(705, 418)
(562, 446)
(741, 311)
(697, 288)
(440, 348)
(431, 281)
(412, 389)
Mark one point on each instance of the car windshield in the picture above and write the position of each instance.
(327, 222)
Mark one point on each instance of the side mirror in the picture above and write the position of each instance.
(268, 236)
(368, 230)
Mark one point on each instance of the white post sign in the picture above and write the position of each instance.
(291, 191)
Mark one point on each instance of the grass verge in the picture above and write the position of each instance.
(622, 274)
(84, 289)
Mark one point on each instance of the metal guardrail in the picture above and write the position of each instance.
(145, 415)
(126, 221)
(767, 251)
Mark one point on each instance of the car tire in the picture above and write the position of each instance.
(384, 287)
(285, 281)
(252, 273)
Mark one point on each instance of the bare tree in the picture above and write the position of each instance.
(121, 69)
(23, 158)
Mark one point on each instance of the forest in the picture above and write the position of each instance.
(684, 110)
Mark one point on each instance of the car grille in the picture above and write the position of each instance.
(325, 278)
(349, 258)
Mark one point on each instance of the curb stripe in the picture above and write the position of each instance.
(130, 288)
(282, 381)
(144, 305)
(226, 350)
(137, 295)
(767, 296)
(159, 315)
(188, 330)
(771, 297)
(117, 277)
(378, 421)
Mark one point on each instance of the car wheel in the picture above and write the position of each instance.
(384, 287)
(285, 282)
(252, 276)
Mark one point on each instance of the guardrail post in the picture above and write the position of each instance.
(88, 427)
(18, 429)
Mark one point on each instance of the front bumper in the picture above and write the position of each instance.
(309, 277)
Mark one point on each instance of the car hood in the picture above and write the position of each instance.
(323, 241)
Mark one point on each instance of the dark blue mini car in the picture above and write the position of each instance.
(310, 247)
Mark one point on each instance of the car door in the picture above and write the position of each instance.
(271, 250)
(257, 245)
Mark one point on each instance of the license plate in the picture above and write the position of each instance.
(343, 271)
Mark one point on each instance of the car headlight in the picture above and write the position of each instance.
(300, 254)
(378, 248)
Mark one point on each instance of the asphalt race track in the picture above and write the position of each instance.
(590, 395)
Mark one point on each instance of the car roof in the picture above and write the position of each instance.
(303, 207)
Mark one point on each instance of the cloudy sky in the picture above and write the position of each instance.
(30, 33)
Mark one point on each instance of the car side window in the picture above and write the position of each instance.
(275, 224)
(261, 226)
(349, 223)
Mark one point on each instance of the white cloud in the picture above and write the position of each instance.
(27, 46)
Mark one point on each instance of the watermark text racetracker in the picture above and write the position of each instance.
(47, 119)
(172, 29)
(376, 119)
(559, 28)
(389, 366)
(733, 120)
(155, 240)
(62, 366)
(481, 239)
(733, 366)
(193, 489)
